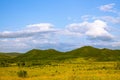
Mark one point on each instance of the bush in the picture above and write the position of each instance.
(21, 64)
(22, 73)
(4, 64)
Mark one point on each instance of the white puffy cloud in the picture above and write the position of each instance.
(30, 30)
(23, 44)
(30, 37)
(94, 30)
(33, 36)
(40, 27)
(44, 36)
(107, 7)
(97, 30)
(78, 27)
(69, 33)
(13, 45)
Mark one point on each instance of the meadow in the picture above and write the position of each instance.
(86, 63)
(65, 71)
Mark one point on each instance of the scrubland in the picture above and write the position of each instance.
(65, 71)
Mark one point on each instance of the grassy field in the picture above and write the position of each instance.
(65, 71)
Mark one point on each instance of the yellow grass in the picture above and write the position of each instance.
(66, 71)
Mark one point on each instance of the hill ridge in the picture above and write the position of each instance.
(86, 52)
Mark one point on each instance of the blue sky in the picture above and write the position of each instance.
(59, 24)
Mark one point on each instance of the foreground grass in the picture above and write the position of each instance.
(66, 71)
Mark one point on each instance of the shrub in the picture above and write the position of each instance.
(21, 64)
(22, 73)
(4, 64)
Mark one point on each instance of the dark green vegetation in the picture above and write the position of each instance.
(40, 57)
(6, 58)
(22, 73)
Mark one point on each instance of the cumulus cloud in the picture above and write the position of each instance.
(17, 34)
(94, 30)
(97, 30)
(13, 45)
(32, 36)
(67, 32)
(107, 7)
(29, 31)
(26, 43)
(40, 27)
(44, 36)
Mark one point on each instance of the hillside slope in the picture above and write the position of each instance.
(86, 52)
(36, 54)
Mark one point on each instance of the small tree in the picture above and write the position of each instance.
(22, 73)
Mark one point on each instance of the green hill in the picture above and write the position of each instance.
(11, 54)
(86, 52)
(4, 60)
(110, 55)
(37, 56)
(4, 57)
(89, 52)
